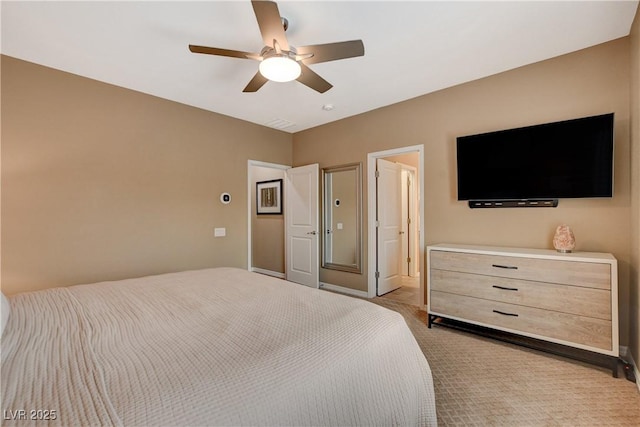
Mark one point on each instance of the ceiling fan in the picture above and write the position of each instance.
(281, 62)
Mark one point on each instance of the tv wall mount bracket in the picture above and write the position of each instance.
(535, 203)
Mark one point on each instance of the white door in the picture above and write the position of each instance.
(410, 221)
(389, 206)
(406, 221)
(302, 261)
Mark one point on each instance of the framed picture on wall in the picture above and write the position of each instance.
(269, 197)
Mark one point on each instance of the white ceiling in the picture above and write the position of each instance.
(411, 48)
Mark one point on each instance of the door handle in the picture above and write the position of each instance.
(312, 232)
(400, 232)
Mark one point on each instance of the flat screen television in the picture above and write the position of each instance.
(567, 159)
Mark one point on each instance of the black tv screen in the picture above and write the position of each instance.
(566, 159)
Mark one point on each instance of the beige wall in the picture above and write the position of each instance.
(410, 159)
(634, 292)
(100, 182)
(588, 82)
(267, 231)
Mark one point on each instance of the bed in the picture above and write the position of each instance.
(218, 346)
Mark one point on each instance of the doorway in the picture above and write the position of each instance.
(396, 224)
(265, 233)
(284, 242)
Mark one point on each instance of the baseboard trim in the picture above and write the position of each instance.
(623, 350)
(268, 272)
(343, 290)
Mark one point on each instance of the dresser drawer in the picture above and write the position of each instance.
(585, 274)
(587, 331)
(581, 301)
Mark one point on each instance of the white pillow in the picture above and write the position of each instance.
(4, 312)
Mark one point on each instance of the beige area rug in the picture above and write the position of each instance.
(483, 382)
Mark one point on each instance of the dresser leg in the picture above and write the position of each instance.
(430, 320)
(614, 367)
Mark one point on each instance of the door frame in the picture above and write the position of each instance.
(250, 164)
(371, 214)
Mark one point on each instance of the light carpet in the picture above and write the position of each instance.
(483, 382)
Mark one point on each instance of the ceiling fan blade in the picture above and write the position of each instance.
(222, 52)
(331, 51)
(309, 78)
(270, 23)
(256, 83)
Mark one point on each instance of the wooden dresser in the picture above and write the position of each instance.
(567, 299)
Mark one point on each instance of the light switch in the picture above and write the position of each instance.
(220, 232)
(339, 226)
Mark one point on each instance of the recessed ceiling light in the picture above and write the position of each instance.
(327, 107)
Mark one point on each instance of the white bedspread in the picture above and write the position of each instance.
(210, 347)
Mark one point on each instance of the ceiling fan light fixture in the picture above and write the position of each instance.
(280, 68)
(281, 62)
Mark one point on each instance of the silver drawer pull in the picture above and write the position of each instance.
(505, 314)
(504, 288)
(508, 267)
